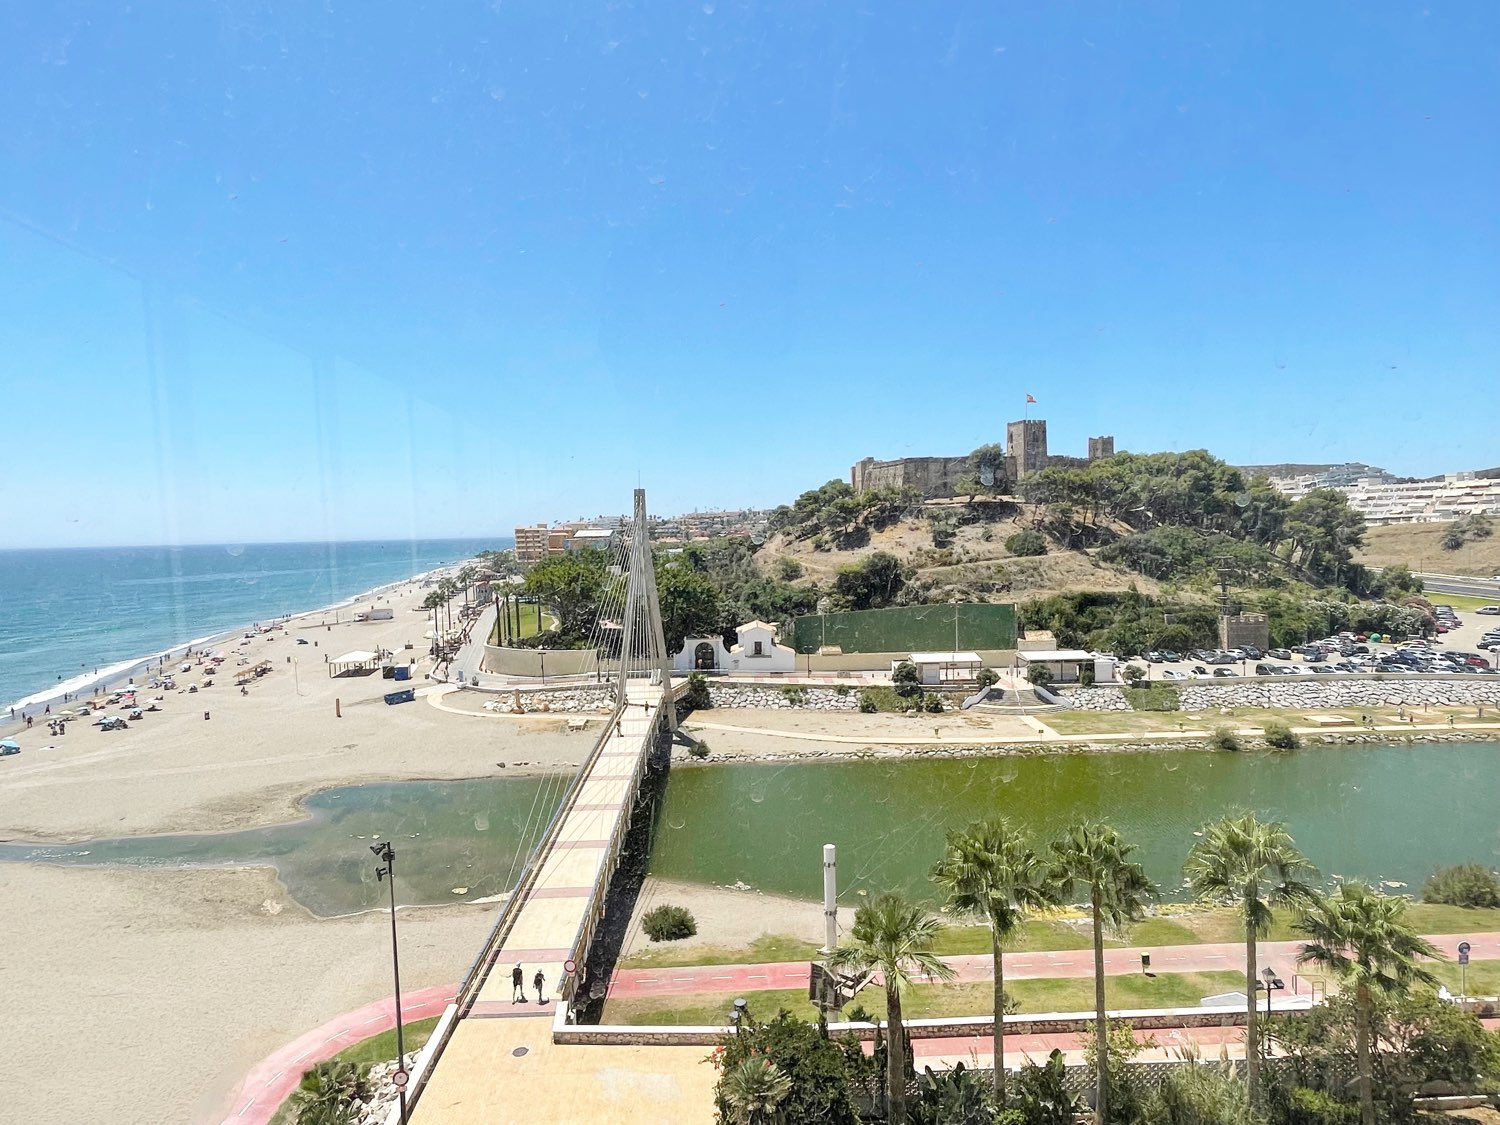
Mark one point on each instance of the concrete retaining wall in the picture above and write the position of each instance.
(531, 662)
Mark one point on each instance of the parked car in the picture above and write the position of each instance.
(1265, 670)
(1224, 673)
(1199, 670)
(1152, 657)
(1489, 610)
(1476, 661)
(1173, 674)
(1250, 652)
(1279, 653)
(1169, 656)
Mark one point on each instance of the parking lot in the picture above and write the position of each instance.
(1348, 655)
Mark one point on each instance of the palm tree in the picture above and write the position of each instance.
(992, 873)
(753, 1090)
(1257, 867)
(895, 937)
(1095, 856)
(1364, 937)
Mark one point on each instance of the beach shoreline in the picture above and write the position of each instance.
(124, 670)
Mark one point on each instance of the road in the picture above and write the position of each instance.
(1456, 584)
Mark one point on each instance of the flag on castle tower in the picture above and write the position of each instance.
(1029, 400)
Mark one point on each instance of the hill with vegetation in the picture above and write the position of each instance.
(1118, 554)
(1466, 546)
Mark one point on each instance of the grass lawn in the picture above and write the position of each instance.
(767, 947)
(1483, 976)
(1461, 602)
(530, 616)
(1167, 990)
(377, 1048)
(1157, 722)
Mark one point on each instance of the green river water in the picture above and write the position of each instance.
(1387, 813)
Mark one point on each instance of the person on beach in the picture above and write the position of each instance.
(539, 982)
(517, 985)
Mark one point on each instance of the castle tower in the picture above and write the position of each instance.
(1101, 447)
(1025, 447)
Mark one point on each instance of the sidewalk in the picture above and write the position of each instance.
(1282, 955)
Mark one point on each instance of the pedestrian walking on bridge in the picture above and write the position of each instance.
(517, 985)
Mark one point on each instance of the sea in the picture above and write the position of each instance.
(70, 617)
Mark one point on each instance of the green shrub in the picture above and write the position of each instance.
(1156, 697)
(906, 680)
(698, 749)
(669, 923)
(796, 696)
(840, 689)
(1314, 1107)
(932, 703)
(986, 678)
(697, 697)
(328, 1091)
(1133, 674)
(1024, 543)
(882, 698)
(788, 569)
(1223, 739)
(1039, 674)
(1281, 736)
(1086, 675)
(1465, 884)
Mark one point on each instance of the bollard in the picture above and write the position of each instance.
(338, 711)
(205, 716)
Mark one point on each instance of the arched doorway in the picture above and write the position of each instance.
(703, 657)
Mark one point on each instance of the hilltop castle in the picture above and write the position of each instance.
(1025, 453)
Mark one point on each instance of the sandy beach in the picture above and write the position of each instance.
(154, 991)
(142, 997)
(257, 754)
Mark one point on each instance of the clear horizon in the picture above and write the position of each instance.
(300, 275)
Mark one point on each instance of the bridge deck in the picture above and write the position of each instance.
(479, 1077)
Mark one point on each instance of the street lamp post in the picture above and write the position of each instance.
(387, 855)
(543, 654)
(1271, 983)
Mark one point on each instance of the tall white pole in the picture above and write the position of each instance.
(830, 899)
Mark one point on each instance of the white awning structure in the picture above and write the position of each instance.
(357, 660)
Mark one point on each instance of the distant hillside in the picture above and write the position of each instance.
(1420, 547)
(1295, 470)
(975, 564)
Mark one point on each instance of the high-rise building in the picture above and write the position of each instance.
(531, 544)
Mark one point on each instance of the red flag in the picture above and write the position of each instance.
(1029, 399)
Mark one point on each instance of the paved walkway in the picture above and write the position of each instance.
(269, 1083)
(1282, 955)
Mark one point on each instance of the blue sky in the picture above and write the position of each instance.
(273, 272)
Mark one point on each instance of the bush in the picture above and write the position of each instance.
(1039, 675)
(1086, 675)
(867, 704)
(669, 923)
(840, 689)
(788, 569)
(697, 697)
(328, 1091)
(906, 680)
(1200, 1095)
(1281, 736)
(1025, 543)
(698, 749)
(1223, 739)
(1314, 1107)
(1157, 697)
(1132, 675)
(1466, 884)
(987, 678)
(819, 1069)
(932, 703)
(796, 696)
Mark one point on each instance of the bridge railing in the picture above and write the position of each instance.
(479, 971)
(578, 952)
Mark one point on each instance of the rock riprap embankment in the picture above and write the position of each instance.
(783, 699)
(1313, 695)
